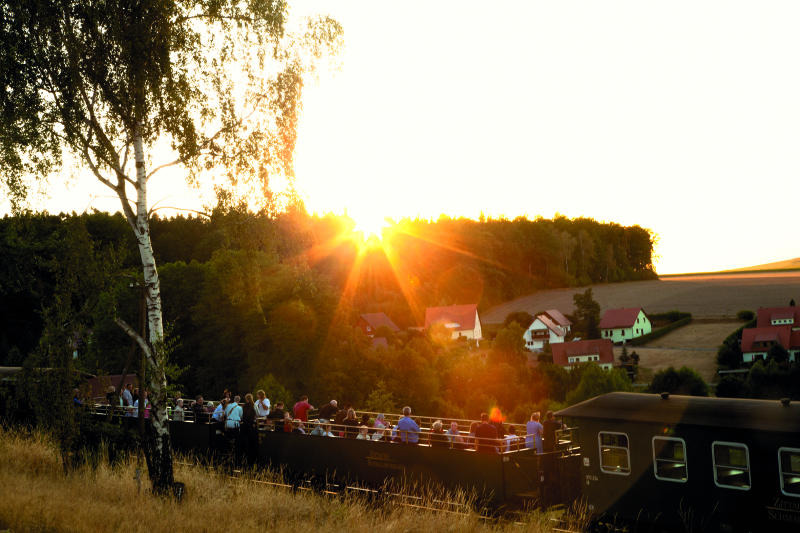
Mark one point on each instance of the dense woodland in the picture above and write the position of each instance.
(271, 301)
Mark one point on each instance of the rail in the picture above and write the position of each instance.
(463, 440)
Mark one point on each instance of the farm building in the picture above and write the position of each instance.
(543, 331)
(369, 322)
(462, 320)
(620, 325)
(600, 351)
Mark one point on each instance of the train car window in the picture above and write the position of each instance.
(731, 465)
(789, 467)
(615, 454)
(669, 459)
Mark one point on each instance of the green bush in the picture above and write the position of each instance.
(682, 381)
(744, 314)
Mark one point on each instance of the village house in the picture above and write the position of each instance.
(559, 319)
(598, 351)
(620, 325)
(462, 320)
(543, 331)
(774, 325)
(370, 322)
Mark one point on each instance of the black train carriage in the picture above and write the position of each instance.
(497, 480)
(690, 463)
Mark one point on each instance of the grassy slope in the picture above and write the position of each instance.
(38, 496)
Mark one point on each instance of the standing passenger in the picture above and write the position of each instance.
(177, 413)
(486, 436)
(534, 431)
(406, 428)
(328, 411)
(262, 404)
(551, 425)
(302, 408)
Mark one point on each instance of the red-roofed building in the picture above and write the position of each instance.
(543, 331)
(560, 320)
(599, 351)
(463, 320)
(778, 316)
(369, 322)
(620, 325)
(756, 342)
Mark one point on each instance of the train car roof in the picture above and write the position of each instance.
(762, 415)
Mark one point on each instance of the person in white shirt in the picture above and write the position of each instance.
(219, 412)
(177, 413)
(262, 404)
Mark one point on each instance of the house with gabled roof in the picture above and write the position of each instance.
(620, 325)
(599, 351)
(542, 332)
(774, 326)
(370, 322)
(559, 319)
(461, 320)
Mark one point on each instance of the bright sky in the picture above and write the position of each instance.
(682, 117)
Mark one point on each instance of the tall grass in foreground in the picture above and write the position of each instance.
(38, 496)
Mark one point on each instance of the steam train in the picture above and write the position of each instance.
(638, 462)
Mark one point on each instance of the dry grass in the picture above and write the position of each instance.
(39, 496)
(694, 345)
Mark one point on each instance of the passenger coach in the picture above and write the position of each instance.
(690, 463)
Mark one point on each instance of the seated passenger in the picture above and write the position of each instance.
(407, 430)
(384, 434)
(486, 436)
(350, 424)
(328, 431)
(177, 413)
(76, 398)
(298, 427)
(380, 422)
(287, 423)
(438, 436)
(328, 411)
(512, 440)
(454, 436)
(470, 439)
(365, 420)
(363, 433)
(146, 405)
(318, 430)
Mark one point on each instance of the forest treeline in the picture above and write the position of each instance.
(255, 300)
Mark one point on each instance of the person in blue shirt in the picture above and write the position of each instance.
(406, 428)
(534, 430)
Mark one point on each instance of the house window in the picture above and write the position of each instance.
(731, 465)
(615, 454)
(669, 459)
(789, 468)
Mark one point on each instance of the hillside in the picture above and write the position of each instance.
(705, 296)
(788, 264)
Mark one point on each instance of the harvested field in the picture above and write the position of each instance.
(694, 345)
(705, 296)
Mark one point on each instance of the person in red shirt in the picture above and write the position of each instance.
(302, 408)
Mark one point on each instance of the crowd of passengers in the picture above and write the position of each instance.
(240, 420)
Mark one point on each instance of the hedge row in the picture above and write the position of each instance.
(660, 332)
(669, 316)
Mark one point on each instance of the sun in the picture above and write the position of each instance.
(369, 225)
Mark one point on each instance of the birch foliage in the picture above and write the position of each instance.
(130, 87)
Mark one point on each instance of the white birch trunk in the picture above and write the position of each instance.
(159, 449)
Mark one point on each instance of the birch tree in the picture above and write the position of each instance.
(130, 87)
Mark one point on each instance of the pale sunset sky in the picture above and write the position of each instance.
(682, 117)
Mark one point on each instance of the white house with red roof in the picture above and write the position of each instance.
(774, 325)
(543, 331)
(462, 320)
(620, 325)
(599, 351)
